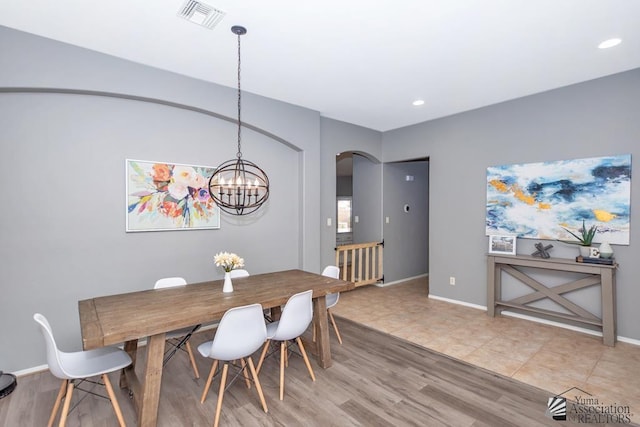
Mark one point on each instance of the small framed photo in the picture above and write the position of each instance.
(501, 244)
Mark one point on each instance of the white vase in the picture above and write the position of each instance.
(585, 251)
(606, 251)
(228, 286)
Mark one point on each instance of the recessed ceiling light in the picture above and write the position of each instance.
(609, 43)
(417, 102)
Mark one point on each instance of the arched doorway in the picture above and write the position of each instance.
(385, 202)
(358, 198)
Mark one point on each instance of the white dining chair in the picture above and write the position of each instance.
(295, 319)
(331, 271)
(74, 368)
(240, 333)
(238, 273)
(332, 300)
(178, 339)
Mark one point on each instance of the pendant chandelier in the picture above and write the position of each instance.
(238, 186)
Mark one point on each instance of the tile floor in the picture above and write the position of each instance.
(549, 357)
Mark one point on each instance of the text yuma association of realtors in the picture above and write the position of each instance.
(591, 411)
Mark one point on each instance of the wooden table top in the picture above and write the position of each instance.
(115, 319)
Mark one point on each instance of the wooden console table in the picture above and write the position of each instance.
(595, 274)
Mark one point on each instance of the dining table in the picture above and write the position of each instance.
(150, 314)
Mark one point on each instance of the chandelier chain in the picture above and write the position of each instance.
(239, 153)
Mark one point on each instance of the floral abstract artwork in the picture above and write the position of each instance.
(167, 196)
(544, 200)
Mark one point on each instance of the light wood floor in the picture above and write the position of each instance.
(548, 357)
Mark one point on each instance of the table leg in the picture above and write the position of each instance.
(149, 399)
(323, 349)
(491, 287)
(276, 312)
(608, 308)
(131, 347)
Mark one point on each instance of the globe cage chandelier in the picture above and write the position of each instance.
(238, 186)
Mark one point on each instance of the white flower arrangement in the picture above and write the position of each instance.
(228, 261)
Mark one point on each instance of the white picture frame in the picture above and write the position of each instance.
(164, 196)
(502, 244)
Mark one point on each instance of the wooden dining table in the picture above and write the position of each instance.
(126, 318)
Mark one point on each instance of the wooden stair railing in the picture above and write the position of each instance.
(361, 263)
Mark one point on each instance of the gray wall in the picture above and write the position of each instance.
(62, 159)
(407, 233)
(596, 118)
(344, 186)
(337, 137)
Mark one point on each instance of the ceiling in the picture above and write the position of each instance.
(359, 61)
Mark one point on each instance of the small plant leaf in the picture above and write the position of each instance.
(586, 236)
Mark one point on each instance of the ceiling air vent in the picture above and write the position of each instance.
(201, 14)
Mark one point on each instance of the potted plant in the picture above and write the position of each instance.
(585, 238)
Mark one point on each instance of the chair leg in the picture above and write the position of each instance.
(193, 360)
(67, 403)
(286, 354)
(56, 405)
(262, 355)
(114, 401)
(208, 384)
(335, 327)
(306, 359)
(258, 386)
(245, 374)
(283, 349)
(223, 382)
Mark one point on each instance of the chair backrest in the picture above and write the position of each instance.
(296, 316)
(169, 282)
(331, 271)
(238, 273)
(53, 356)
(332, 299)
(240, 333)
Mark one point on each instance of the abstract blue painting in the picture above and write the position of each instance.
(539, 200)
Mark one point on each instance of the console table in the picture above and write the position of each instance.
(594, 274)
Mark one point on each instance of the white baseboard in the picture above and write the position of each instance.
(454, 301)
(30, 371)
(537, 320)
(397, 282)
